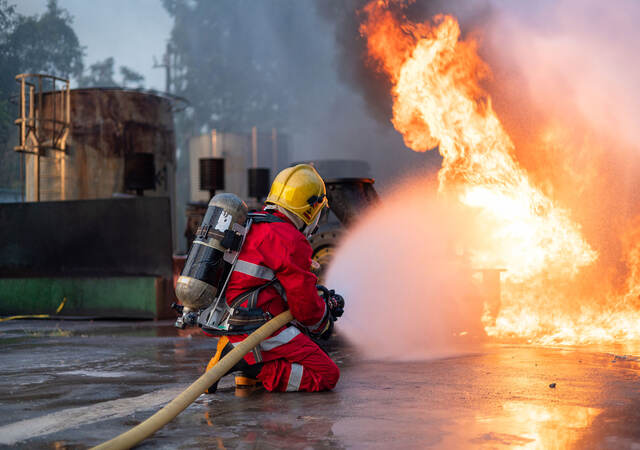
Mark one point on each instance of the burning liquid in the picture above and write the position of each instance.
(548, 291)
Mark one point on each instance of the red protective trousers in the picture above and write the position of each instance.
(297, 365)
(292, 361)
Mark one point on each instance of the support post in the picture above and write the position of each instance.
(254, 147)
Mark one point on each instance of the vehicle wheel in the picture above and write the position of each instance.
(323, 245)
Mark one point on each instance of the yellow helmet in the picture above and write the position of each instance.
(300, 190)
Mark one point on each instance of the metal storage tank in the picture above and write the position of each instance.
(107, 125)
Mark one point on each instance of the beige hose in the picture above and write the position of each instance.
(142, 431)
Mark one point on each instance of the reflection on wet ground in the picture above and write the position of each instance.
(79, 383)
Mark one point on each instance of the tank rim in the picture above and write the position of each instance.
(178, 103)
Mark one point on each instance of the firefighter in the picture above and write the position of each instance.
(272, 275)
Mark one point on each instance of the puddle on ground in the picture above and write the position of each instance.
(98, 373)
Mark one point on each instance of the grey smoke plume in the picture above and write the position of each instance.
(351, 48)
(275, 64)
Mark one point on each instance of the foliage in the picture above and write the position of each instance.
(101, 74)
(45, 44)
(242, 63)
(7, 23)
(131, 76)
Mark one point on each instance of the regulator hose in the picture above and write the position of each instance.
(142, 431)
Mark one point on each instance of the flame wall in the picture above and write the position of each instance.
(550, 205)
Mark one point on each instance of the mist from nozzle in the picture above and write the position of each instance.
(408, 290)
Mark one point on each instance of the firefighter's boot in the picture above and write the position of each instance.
(249, 371)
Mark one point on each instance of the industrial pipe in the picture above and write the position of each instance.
(142, 431)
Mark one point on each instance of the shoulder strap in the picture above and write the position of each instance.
(264, 218)
(251, 294)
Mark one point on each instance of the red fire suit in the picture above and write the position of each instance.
(292, 361)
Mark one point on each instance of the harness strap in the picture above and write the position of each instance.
(265, 217)
(254, 270)
(245, 320)
(254, 292)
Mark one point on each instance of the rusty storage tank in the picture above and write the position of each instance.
(109, 127)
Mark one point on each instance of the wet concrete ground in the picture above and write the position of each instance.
(78, 383)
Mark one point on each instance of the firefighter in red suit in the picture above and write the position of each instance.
(272, 275)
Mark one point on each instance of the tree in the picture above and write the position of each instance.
(245, 63)
(7, 23)
(101, 75)
(131, 76)
(45, 44)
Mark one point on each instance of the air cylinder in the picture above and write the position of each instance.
(211, 256)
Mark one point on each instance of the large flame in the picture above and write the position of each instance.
(438, 101)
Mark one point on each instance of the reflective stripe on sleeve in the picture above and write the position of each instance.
(283, 338)
(254, 270)
(295, 377)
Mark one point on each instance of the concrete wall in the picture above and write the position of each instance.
(109, 237)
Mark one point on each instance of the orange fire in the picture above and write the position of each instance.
(548, 290)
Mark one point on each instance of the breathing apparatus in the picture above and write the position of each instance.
(298, 192)
(212, 257)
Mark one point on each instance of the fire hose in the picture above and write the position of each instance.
(145, 429)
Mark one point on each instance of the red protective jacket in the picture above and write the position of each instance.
(279, 249)
(291, 360)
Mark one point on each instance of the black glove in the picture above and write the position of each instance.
(326, 334)
(335, 302)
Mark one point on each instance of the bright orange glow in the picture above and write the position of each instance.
(548, 287)
(532, 426)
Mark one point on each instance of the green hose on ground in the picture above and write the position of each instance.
(142, 431)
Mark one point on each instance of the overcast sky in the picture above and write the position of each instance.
(132, 31)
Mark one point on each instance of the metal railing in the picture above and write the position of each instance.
(45, 113)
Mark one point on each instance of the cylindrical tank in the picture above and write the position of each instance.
(208, 263)
(211, 174)
(106, 126)
(258, 180)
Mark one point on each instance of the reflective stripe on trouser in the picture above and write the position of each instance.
(299, 365)
(284, 337)
(289, 348)
(295, 377)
